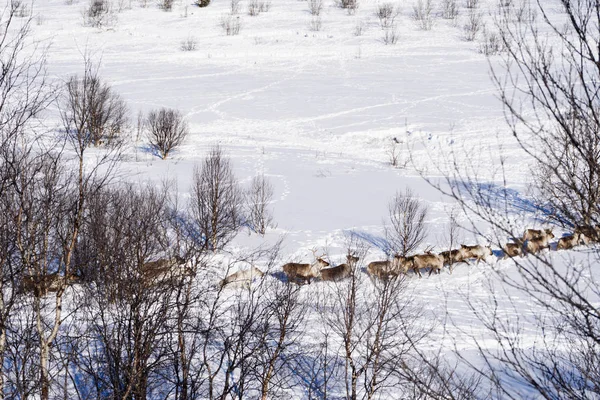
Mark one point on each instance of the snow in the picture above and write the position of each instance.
(315, 112)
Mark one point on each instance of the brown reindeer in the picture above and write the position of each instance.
(341, 271)
(389, 268)
(433, 261)
(451, 257)
(164, 270)
(305, 272)
(242, 278)
(587, 234)
(43, 284)
(535, 233)
(512, 250)
(568, 242)
(478, 252)
(535, 245)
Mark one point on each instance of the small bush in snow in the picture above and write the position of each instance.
(189, 44)
(315, 7)
(472, 4)
(231, 24)
(423, 14)
(359, 28)
(349, 5)
(255, 7)
(386, 13)
(202, 3)
(166, 130)
(166, 5)
(98, 13)
(473, 25)
(449, 9)
(315, 24)
(390, 36)
(491, 44)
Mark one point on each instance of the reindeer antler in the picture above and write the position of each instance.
(429, 249)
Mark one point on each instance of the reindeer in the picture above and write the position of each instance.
(535, 245)
(305, 272)
(587, 234)
(512, 250)
(242, 278)
(164, 270)
(568, 242)
(341, 271)
(387, 269)
(41, 285)
(478, 252)
(427, 260)
(531, 234)
(451, 257)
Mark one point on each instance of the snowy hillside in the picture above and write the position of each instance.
(318, 104)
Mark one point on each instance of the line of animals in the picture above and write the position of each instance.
(533, 241)
(162, 270)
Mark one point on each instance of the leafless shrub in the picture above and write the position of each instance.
(231, 24)
(40, 19)
(491, 43)
(189, 44)
(167, 130)
(359, 28)
(216, 200)
(423, 14)
(473, 25)
(449, 9)
(91, 109)
(394, 153)
(387, 13)
(315, 24)
(349, 5)
(390, 36)
(406, 229)
(264, 6)
(471, 4)
(258, 199)
(166, 5)
(253, 8)
(315, 7)
(98, 13)
(234, 7)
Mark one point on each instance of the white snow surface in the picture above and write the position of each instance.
(315, 112)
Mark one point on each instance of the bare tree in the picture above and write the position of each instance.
(25, 93)
(258, 198)
(126, 311)
(216, 200)
(167, 130)
(406, 229)
(377, 330)
(91, 110)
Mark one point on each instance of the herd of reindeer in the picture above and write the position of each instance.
(162, 270)
(533, 241)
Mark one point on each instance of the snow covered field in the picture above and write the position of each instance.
(317, 112)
